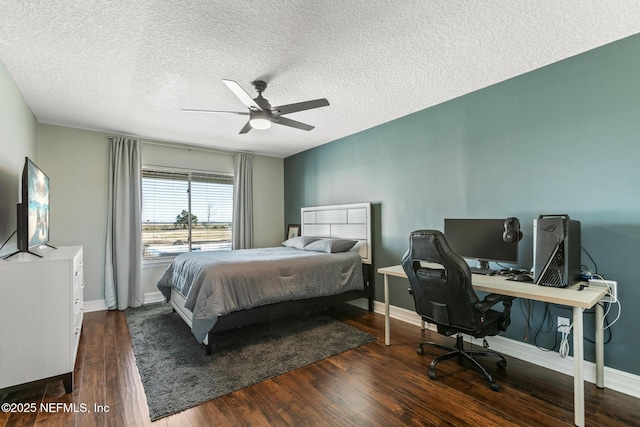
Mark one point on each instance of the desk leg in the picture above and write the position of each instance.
(387, 333)
(599, 346)
(578, 362)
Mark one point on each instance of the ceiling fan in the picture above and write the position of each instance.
(261, 113)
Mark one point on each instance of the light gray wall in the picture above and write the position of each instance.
(561, 139)
(76, 162)
(268, 201)
(18, 139)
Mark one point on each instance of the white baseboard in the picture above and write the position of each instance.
(101, 305)
(94, 305)
(614, 379)
(153, 297)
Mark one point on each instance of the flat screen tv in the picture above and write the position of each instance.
(33, 211)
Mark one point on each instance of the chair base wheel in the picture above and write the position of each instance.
(420, 351)
(458, 352)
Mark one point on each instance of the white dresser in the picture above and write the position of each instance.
(40, 317)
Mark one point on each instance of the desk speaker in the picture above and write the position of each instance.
(556, 251)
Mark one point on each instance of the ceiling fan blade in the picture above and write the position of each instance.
(242, 95)
(300, 106)
(189, 110)
(292, 123)
(246, 128)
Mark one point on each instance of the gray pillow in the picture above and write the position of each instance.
(330, 246)
(299, 242)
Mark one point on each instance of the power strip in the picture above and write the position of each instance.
(612, 285)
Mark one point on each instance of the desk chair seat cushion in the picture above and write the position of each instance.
(493, 323)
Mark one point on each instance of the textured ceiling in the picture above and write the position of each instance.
(129, 67)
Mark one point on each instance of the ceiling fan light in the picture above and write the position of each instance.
(260, 123)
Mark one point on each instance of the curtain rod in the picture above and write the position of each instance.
(162, 168)
(189, 147)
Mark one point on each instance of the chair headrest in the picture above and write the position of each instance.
(432, 246)
(429, 245)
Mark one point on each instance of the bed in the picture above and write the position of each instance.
(328, 264)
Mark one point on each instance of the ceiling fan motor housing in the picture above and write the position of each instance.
(260, 85)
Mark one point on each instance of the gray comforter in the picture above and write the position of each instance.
(218, 283)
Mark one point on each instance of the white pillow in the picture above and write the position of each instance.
(299, 242)
(330, 246)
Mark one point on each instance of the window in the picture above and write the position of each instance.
(184, 211)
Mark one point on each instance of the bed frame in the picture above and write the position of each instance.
(350, 221)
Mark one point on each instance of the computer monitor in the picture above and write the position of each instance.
(480, 239)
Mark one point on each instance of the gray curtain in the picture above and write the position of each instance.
(123, 261)
(242, 234)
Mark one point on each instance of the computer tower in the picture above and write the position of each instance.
(556, 250)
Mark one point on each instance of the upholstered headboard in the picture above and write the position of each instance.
(351, 221)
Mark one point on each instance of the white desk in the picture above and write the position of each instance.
(570, 296)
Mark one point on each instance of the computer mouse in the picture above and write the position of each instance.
(520, 277)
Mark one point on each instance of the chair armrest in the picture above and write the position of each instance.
(491, 300)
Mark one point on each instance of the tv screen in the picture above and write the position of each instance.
(33, 215)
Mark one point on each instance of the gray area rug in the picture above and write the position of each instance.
(177, 375)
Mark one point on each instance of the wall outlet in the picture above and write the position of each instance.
(611, 284)
(564, 325)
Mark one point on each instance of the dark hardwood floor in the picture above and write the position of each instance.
(371, 385)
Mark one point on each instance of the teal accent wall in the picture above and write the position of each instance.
(563, 139)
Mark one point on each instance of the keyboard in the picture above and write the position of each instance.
(484, 271)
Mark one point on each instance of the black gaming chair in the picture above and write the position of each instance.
(444, 296)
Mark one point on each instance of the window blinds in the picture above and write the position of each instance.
(185, 210)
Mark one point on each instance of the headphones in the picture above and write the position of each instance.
(512, 231)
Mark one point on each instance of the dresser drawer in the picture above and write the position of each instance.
(78, 275)
(78, 284)
(78, 260)
(75, 333)
(78, 299)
